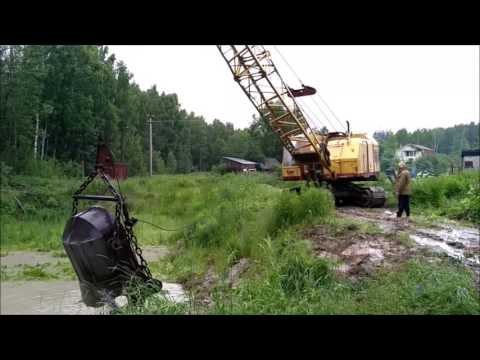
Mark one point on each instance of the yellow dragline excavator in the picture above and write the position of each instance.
(337, 159)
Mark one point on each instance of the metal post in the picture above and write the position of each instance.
(151, 149)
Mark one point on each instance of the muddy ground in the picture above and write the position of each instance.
(362, 254)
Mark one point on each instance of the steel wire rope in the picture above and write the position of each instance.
(320, 97)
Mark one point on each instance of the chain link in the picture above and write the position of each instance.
(125, 224)
(82, 187)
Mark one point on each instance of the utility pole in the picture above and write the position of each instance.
(151, 148)
(36, 139)
(150, 122)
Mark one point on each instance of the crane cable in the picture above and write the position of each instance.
(301, 82)
(304, 102)
(326, 117)
(305, 108)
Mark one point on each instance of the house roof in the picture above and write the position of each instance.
(240, 161)
(420, 147)
(475, 152)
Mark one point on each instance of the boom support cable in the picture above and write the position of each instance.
(326, 117)
(313, 117)
(255, 72)
(321, 98)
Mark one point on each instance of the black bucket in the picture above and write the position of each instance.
(102, 258)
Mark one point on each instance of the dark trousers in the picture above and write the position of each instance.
(403, 204)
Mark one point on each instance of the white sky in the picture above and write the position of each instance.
(374, 87)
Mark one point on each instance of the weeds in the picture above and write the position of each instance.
(220, 219)
(293, 209)
(455, 196)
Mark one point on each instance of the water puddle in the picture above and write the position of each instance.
(63, 298)
(31, 258)
(457, 242)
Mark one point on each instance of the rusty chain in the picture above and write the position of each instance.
(126, 223)
(82, 187)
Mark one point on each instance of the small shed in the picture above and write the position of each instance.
(238, 165)
(471, 159)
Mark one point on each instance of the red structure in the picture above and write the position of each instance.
(120, 171)
(105, 161)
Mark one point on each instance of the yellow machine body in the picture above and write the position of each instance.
(354, 157)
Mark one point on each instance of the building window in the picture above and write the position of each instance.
(468, 165)
(410, 153)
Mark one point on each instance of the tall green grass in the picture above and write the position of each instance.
(455, 196)
(418, 288)
(216, 220)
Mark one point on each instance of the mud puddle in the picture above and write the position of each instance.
(32, 258)
(357, 255)
(458, 242)
(63, 296)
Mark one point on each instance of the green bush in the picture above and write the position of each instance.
(219, 169)
(52, 168)
(437, 164)
(300, 274)
(293, 208)
(434, 191)
(467, 208)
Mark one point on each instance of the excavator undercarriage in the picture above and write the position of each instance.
(350, 193)
(347, 192)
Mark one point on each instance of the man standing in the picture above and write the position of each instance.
(403, 191)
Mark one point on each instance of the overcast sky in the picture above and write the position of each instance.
(374, 87)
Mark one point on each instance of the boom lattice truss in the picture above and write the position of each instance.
(255, 72)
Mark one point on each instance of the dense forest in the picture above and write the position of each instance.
(77, 94)
(57, 100)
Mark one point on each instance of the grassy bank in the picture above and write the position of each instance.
(452, 196)
(219, 220)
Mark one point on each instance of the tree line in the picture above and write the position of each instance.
(57, 100)
(447, 143)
